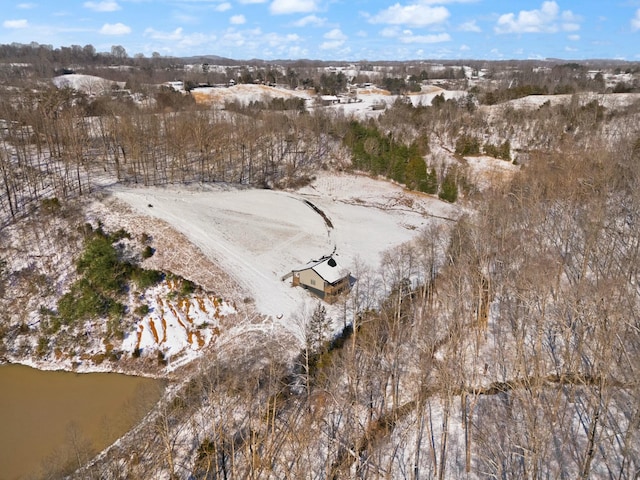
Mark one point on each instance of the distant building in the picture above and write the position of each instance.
(324, 278)
(326, 100)
(177, 85)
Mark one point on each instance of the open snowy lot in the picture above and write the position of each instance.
(244, 93)
(259, 236)
(364, 103)
(367, 102)
(88, 84)
(609, 100)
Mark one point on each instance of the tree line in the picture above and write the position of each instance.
(504, 345)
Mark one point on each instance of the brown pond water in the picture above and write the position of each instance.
(50, 418)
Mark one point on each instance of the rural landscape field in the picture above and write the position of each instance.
(298, 269)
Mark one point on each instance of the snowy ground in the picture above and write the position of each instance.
(609, 100)
(244, 93)
(367, 102)
(88, 84)
(176, 326)
(485, 171)
(259, 236)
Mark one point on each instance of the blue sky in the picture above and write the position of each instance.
(334, 29)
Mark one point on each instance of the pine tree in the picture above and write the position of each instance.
(318, 330)
(431, 182)
(416, 173)
(449, 189)
(505, 151)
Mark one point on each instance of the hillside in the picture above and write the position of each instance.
(491, 243)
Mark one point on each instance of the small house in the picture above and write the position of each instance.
(326, 100)
(324, 278)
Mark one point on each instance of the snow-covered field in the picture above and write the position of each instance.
(608, 100)
(244, 93)
(366, 102)
(88, 84)
(259, 236)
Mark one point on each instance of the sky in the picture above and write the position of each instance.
(353, 30)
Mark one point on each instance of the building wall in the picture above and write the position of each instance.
(311, 279)
(338, 287)
(313, 282)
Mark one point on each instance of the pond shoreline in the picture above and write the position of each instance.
(143, 371)
(49, 414)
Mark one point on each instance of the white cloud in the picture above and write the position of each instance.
(444, 2)
(570, 21)
(156, 35)
(237, 20)
(335, 34)
(569, 16)
(106, 6)
(196, 40)
(15, 23)
(181, 17)
(570, 27)
(635, 21)
(432, 38)
(464, 48)
(310, 20)
(278, 40)
(297, 52)
(390, 32)
(470, 27)
(331, 45)
(407, 36)
(337, 51)
(415, 15)
(547, 19)
(178, 38)
(250, 40)
(223, 7)
(574, 38)
(26, 6)
(335, 39)
(251, 1)
(529, 20)
(115, 29)
(292, 6)
(233, 38)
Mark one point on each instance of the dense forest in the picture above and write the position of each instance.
(507, 345)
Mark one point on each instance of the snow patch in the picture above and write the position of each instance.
(259, 236)
(88, 84)
(176, 325)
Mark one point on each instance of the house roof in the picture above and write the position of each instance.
(327, 268)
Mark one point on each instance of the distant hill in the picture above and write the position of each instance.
(210, 59)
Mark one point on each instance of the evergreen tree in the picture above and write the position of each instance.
(416, 174)
(449, 188)
(505, 151)
(467, 145)
(319, 330)
(431, 182)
